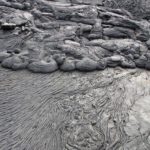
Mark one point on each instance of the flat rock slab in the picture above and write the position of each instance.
(84, 111)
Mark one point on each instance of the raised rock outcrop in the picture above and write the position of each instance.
(86, 34)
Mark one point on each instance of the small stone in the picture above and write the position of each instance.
(68, 65)
(114, 61)
(86, 64)
(43, 67)
(102, 64)
(15, 63)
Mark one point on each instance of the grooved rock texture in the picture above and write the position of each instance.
(140, 8)
(62, 106)
(106, 110)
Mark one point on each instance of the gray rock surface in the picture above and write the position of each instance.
(139, 8)
(106, 110)
(87, 91)
(80, 30)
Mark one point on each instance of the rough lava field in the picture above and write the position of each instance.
(74, 75)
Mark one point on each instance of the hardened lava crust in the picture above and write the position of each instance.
(72, 108)
(44, 36)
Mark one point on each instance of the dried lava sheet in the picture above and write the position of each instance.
(106, 110)
(43, 36)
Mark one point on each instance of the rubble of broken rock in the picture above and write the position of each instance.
(48, 36)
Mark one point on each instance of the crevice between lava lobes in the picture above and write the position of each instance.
(48, 36)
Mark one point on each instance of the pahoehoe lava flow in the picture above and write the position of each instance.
(106, 110)
(53, 95)
(44, 36)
